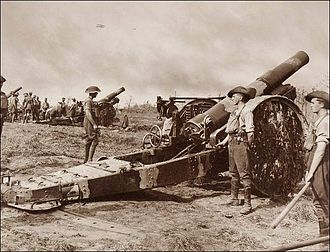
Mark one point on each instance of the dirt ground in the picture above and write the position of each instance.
(184, 217)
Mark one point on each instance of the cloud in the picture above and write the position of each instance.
(157, 48)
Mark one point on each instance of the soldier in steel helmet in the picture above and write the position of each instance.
(317, 145)
(4, 105)
(240, 129)
(90, 123)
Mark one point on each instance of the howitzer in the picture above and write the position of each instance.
(111, 96)
(14, 91)
(194, 98)
(105, 112)
(187, 152)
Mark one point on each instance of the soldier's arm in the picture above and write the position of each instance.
(249, 126)
(224, 141)
(317, 158)
(90, 117)
(322, 140)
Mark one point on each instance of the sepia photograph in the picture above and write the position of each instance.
(164, 126)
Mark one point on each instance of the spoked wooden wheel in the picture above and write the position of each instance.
(153, 138)
(146, 142)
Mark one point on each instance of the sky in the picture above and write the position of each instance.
(58, 49)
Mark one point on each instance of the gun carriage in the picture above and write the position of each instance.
(190, 151)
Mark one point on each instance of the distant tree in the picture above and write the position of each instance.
(129, 103)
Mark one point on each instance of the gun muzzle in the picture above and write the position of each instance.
(112, 95)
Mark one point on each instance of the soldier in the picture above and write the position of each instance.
(4, 105)
(27, 105)
(240, 131)
(317, 144)
(34, 108)
(160, 107)
(38, 107)
(125, 123)
(44, 107)
(90, 125)
(79, 108)
(62, 108)
(170, 108)
(13, 106)
(73, 109)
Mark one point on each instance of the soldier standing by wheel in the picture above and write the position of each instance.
(317, 143)
(240, 129)
(90, 124)
(4, 105)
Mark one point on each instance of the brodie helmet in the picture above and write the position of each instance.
(92, 89)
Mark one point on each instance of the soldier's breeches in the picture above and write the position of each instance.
(91, 141)
(320, 188)
(1, 124)
(239, 166)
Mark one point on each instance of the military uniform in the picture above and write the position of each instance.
(62, 108)
(239, 125)
(27, 104)
(4, 106)
(13, 107)
(319, 133)
(73, 109)
(35, 107)
(92, 134)
(89, 105)
(44, 108)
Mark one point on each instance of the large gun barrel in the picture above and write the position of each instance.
(112, 95)
(194, 98)
(267, 82)
(15, 91)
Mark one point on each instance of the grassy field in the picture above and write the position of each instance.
(184, 217)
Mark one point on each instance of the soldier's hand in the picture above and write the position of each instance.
(308, 176)
(220, 144)
(95, 127)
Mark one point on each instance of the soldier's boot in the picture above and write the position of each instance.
(87, 147)
(247, 206)
(324, 231)
(91, 152)
(234, 193)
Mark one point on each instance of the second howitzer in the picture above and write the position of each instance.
(14, 91)
(187, 150)
(105, 111)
